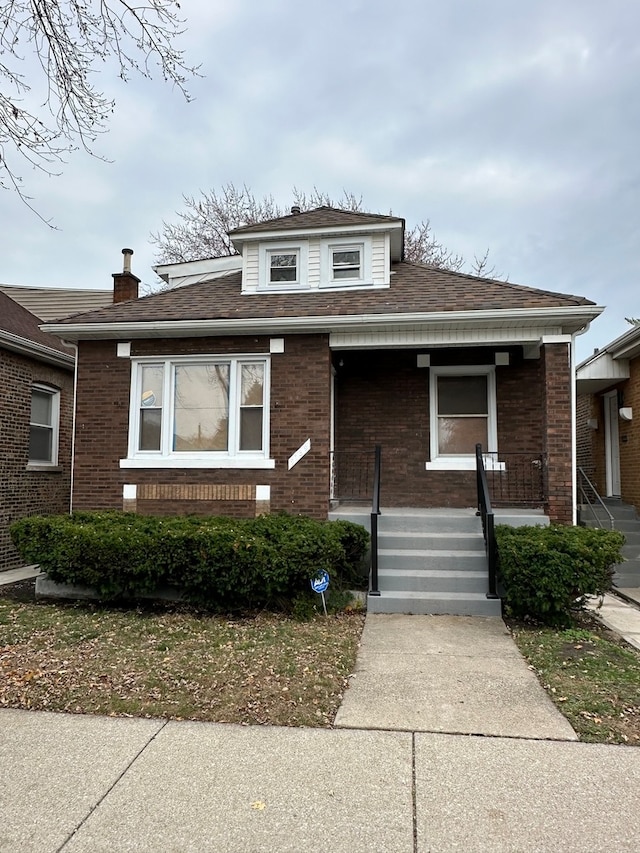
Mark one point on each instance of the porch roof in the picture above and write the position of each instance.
(608, 365)
(418, 295)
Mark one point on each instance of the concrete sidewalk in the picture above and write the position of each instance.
(455, 674)
(74, 784)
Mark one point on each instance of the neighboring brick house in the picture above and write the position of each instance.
(36, 413)
(608, 432)
(233, 390)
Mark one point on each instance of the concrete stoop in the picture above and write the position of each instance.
(625, 519)
(429, 562)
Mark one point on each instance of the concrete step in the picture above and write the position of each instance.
(436, 560)
(407, 540)
(429, 521)
(627, 573)
(452, 603)
(429, 580)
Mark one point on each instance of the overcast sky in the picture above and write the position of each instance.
(509, 126)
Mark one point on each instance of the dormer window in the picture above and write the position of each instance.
(283, 267)
(346, 263)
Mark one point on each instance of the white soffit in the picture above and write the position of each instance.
(605, 366)
(434, 337)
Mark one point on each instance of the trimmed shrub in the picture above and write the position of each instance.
(547, 572)
(221, 563)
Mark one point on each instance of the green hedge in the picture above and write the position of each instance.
(548, 571)
(217, 562)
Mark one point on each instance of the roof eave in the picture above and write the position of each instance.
(23, 346)
(567, 320)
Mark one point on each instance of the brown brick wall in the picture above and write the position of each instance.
(300, 407)
(29, 492)
(383, 398)
(558, 430)
(586, 409)
(630, 438)
(592, 443)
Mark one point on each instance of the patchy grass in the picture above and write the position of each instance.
(592, 676)
(264, 669)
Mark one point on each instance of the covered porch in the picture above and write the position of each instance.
(427, 409)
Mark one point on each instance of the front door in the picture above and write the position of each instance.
(612, 444)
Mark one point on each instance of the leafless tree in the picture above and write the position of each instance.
(201, 229)
(50, 51)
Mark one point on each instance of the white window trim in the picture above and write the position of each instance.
(301, 249)
(328, 247)
(54, 393)
(463, 462)
(168, 458)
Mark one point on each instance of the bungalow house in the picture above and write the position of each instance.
(36, 404)
(608, 439)
(36, 412)
(263, 382)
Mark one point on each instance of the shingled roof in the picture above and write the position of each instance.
(19, 326)
(51, 303)
(415, 288)
(320, 217)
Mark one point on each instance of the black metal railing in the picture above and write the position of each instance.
(352, 475)
(355, 478)
(485, 511)
(375, 512)
(516, 479)
(591, 500)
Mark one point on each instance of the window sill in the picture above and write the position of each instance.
(198, 462)
(462, 463)
(43, 468)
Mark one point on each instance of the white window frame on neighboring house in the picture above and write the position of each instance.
(52, 426)
(466, 461)
(165, 456)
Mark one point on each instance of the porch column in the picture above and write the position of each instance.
(558, 429)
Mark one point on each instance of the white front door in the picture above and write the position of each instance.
(612, 444)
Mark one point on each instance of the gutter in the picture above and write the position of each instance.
(24, 346)
(576, 316)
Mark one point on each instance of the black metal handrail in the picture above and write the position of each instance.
(485, 512)
(584, 485)
(375, 512)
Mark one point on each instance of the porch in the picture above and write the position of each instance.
(438, 560)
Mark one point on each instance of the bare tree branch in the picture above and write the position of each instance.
(46, 116)
(201, 229)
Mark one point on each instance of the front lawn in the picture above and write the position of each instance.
(591, 675)
(264, 669)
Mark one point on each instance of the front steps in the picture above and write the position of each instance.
(625, 519)
(429, 561)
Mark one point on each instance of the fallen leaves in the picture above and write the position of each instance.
(262, 670)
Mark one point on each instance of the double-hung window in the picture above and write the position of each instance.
(462, 414)
(44, 425)
(346, 263)
(284, 267)
(199, 410)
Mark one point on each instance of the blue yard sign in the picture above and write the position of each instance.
(319, 584)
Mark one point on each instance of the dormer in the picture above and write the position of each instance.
(319, 250)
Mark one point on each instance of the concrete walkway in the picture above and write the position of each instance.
(621, 615)
(455, 674)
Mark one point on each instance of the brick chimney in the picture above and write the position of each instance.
(125, 283)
